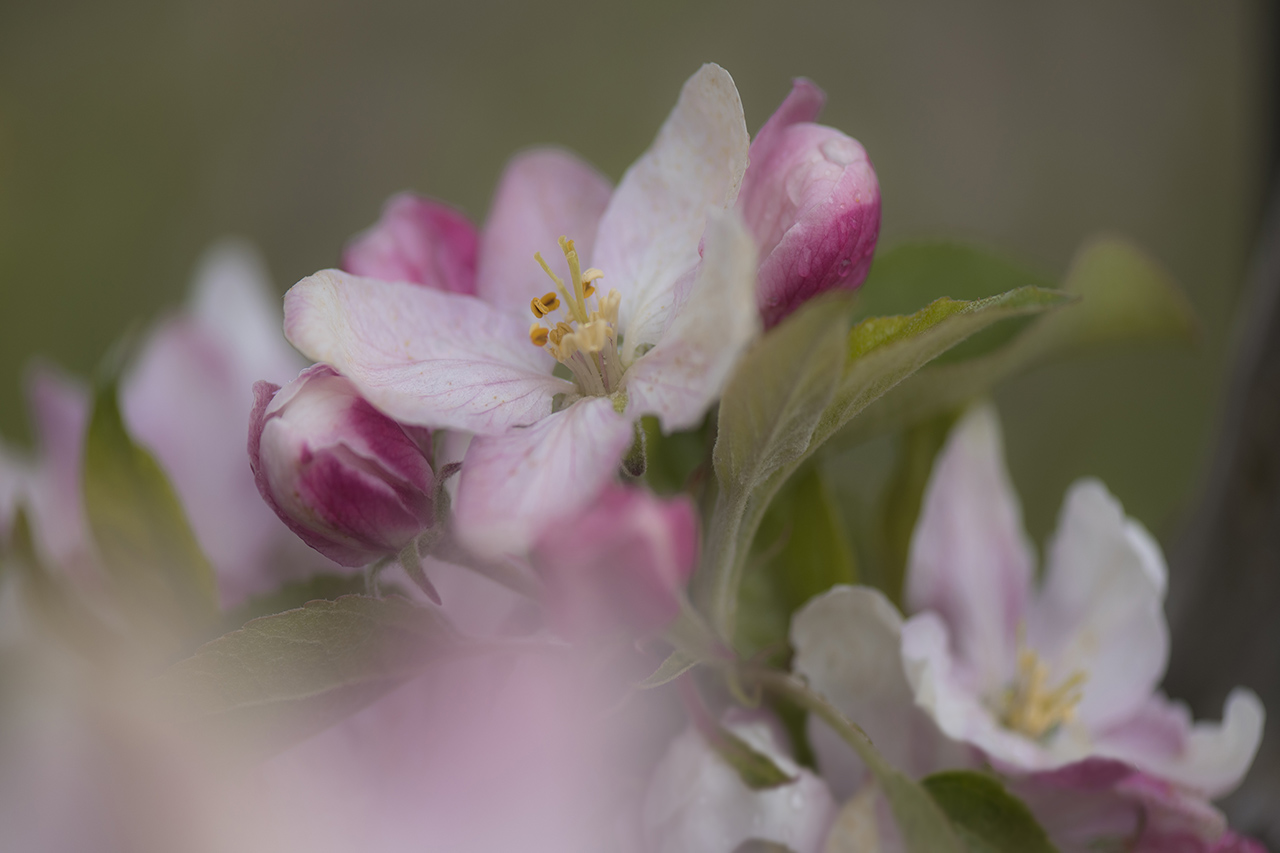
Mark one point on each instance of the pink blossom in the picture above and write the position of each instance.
(667, 320)
(812, 202)
(621, 565)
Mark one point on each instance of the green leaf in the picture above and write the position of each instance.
(1122, 296)
(146, 545)
(801, 551)
(790, 394)
(756, 845)
(987, 817)
(282, 678)
(290, 596)
(758, 771)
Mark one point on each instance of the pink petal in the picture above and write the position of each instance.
(812, 202)
(544, 194)
(517, 486)
(1103, 591)
(649, 234)
(423, 356)
(970, 562)
(59, 406)
(418, 240)
(683, 375)
(623, 570)
(1210, 758)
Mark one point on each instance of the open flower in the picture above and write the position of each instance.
(1034, 681)
(812, 202)
(654, 327)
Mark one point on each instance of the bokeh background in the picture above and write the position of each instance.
(134, 133)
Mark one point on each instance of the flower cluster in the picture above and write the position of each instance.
(541, 652)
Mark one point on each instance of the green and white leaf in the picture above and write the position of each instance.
(987, 818)
(161, 577)
(281, 678)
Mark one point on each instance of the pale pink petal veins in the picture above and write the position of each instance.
(683, 375)
(1210, 758)
(848, 647)
(518, 485)
(1103, 592)
(543, 194)
(970, 560)
(649, 235)
(422, 356)
(417, 240)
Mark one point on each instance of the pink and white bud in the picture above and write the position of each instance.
(352, 483)
(420, 241)
(619, 566)
(812, 202)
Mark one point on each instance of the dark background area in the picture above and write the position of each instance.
(134, 134)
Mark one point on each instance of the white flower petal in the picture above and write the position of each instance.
(543, 194)
(516, 486)
(684, 374)
(649, 235)
(848, 647)
(1099, 611)
(697, 803)
(946, 692)
(970, 560)
(423, 356)
(1208, 757)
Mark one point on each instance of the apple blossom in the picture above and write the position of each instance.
(352, 483)
(1035, 682)
(624, 567)
(697, 802)
(812, 202)
(653, 328)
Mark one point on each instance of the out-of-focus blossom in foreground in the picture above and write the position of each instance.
(697, 802)
(656, 332)
(1031, 681)
(620, 566)
(351, 482)
(812, 202)
(186, 398)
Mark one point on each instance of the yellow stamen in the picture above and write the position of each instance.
(538, 335)
(575, 273)
(537, 256)
(1030, 706)
(543, 306)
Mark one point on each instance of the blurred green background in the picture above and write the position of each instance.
(133, 134)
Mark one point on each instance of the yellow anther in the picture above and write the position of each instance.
(537, 256)
(1030, 705)
(588, 288)
(543, 306)
(538, 335)
(562, 328)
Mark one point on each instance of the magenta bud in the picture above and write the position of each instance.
(812, 202)
(420, 241)
(351, 482)
(618, 568)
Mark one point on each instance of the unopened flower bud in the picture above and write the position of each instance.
(351, 482)
(417, 240)
(812, 202)
(620, 565)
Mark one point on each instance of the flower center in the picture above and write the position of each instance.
(1030, 706)
(586, 340)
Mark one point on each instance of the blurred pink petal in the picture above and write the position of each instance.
(420, 241)
(621, 565)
